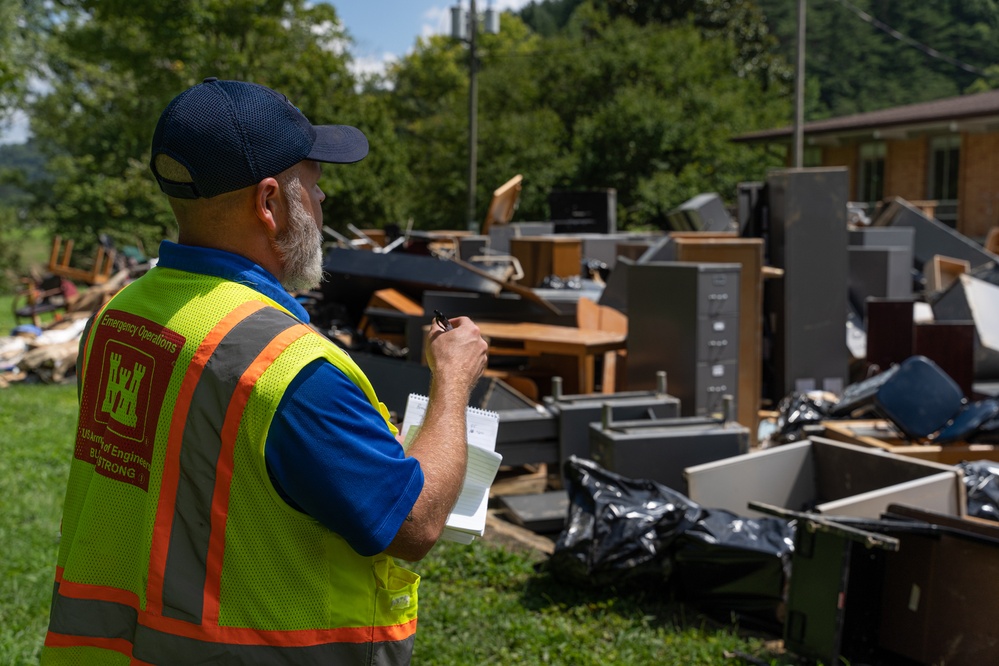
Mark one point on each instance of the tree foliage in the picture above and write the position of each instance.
(605, 101)
(853, 66)
(642, 97)
(115, 64)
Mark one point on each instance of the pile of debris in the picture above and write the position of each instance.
(46, 351)
(783, 414)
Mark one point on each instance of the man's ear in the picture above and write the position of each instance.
(268, 206)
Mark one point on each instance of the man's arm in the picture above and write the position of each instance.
(456, 359)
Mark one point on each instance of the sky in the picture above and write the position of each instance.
(382, 30)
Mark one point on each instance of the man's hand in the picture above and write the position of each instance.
(457, 358)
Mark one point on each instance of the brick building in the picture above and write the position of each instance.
(942, 156)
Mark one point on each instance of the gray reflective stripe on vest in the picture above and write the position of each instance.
(87, 617)
(184, 577)
(106, 619)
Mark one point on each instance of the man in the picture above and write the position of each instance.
(237, 493)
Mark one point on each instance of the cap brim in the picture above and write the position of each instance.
(339, 144)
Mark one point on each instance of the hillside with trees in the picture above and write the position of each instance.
(864, 55)
(642, 97)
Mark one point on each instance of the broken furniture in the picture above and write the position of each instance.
(894, 334)
(704, 212)
(828, 477)
(940, 590)
(912, 583)
(943, 271)
(593, 316)
(575, 413)
(49, 295)
(527, 435)
(889, 323)
(683, 318)
(61, 257)
(881, 434)
(834, 589)
(541, 257)
(530, 339)
(543, 513)
(922, 400)
(748, 253)
(583, 212)
(932, 236)
(807, 238)
(660, 449)
(880, 264)
(386, 315)
(971, 299)
(353, 276)
(504, 203)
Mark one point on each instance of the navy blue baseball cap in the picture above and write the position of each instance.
(233, 134)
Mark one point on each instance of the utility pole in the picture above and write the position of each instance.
(473, 116)
(465, 26)
(799, 92)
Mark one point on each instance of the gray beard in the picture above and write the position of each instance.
(301, 245)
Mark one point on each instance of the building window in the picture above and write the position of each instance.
(871, 176)
(812, 156)
(944, 154)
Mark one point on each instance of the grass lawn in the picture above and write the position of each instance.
(36, 438)
(479, 604)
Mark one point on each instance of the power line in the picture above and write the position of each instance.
(928, 50)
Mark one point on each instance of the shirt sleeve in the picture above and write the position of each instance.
(331, 456)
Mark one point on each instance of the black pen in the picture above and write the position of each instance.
(442, 321)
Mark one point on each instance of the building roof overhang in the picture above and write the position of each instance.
(966, 113)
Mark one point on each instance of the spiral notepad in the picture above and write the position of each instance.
(468, 518)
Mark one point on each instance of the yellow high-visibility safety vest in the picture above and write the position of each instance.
(176, 548)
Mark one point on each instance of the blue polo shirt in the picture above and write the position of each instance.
(328, 451)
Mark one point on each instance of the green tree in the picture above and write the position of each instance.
(940, 48)
(651, 110)
(19, 26)
(114, 65)
(18, 50)
(517, 133)
(604, 103)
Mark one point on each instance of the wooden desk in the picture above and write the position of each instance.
(530, 339)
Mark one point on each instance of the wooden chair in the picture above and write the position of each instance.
(59, 263)
(503, 204)
(593, 316)
(52, 294)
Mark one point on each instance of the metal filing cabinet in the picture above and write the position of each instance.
(683, 318)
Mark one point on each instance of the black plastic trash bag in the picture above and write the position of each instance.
(726, 563)
(981, 479)
(797, 410)
(618, 529)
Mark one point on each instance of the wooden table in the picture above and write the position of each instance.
(530, 339)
